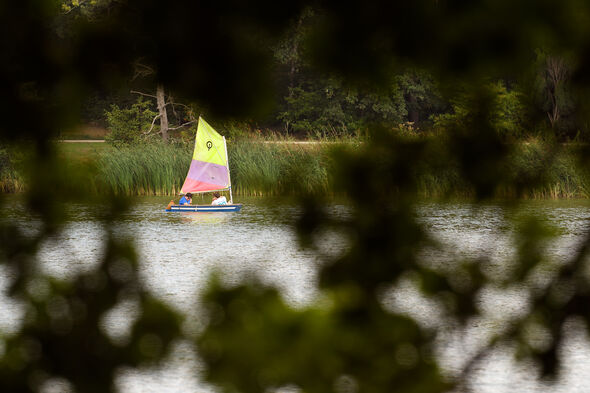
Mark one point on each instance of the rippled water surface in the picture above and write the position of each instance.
(178, 252)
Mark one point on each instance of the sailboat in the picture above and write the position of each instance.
(208, 172)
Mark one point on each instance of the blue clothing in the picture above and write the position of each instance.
(184, 201)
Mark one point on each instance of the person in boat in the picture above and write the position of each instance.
(218, 199)
(186, 199)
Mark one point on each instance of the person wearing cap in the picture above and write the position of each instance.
(186, 199)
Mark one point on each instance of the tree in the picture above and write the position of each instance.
(352, 340)
(507, 114)
(94, 12)
(129, 126)
(327, 106)
(185, 119)
(161, 99)
(143, 71)
(553, 89)
(324, 103)
(421, 95)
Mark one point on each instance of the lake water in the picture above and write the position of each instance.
(178, 252)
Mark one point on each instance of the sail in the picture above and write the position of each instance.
(209, 170)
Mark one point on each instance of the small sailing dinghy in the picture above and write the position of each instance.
(209, 171)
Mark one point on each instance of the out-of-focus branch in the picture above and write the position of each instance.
(142, 94)
(182, 125)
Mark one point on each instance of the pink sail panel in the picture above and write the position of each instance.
(205, 176)
(197, 186)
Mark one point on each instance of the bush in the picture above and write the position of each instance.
(130, 126)
(506, 108)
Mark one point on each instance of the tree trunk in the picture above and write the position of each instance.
(160, 97)
(413, 114)
(557, 72)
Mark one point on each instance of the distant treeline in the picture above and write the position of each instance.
(264, 169)
(309, 103)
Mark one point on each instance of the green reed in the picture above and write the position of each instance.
(146, 169)
(11, 178)
(257, 168)
(534, 170)
(559, 173)
(11, 181)
(262, 167)
(278, 168)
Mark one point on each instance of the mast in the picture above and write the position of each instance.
(231, 199)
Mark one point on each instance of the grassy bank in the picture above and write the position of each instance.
(82, 151)
(269, 169)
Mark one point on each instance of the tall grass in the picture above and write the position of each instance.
(147, 169)
(269, 168)
(256, 168)
(562, 175)
(11, 179)
(533, 170)
(260, 168)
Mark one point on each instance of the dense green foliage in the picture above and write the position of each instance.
(349, 338)
(129, 125)
(325, 107)
(507, 112)
(313, 103)
(320, 103)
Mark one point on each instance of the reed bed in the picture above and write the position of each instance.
(269, 169)
(11, 178)
(11, 181)
(548, 171)
(565, 177)
(259, 168)
(147, 169)
(533, 170)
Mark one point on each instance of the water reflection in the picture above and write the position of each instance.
(178, 252)
(204, 218)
